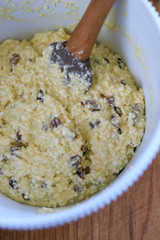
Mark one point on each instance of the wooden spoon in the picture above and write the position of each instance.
(73, 55)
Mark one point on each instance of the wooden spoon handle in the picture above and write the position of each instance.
(85, 34)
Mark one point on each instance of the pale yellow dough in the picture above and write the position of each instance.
(58, 145)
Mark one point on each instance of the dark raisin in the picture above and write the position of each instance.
(95, 108)
(76, 188)
(18, 136)
(110, 100)
(44, 126)
(40, 96)
(14, 59)
(118, 111)
(87, 170)
(91, 124)
(97, 122)
(123, 82)
(102, 95)
(1, 172)
(43, 185)
(116, 174)
(75, 161)
(25, 197)
(90, 102)
(4, 121)
(84, 150)
(120, 63)
(81, 172)
(13, 149)
(4, 158)
(31, 60)
(55, 122)
(119, 131)
(13, 183)
(113, 118)
(106, 59)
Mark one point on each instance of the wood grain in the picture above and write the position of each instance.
(156, 3)
(133, 216)
(85, 34)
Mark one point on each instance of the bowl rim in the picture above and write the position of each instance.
(106, 196)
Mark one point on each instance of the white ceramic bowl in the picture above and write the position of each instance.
(132, 30)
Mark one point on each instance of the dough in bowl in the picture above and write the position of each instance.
(59, 145)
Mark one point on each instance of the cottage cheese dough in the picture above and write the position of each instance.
(59, 145)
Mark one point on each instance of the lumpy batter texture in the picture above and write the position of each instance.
(59, 145)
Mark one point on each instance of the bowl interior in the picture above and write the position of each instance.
(134, 37)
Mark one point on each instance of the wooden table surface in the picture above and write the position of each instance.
(133, 216)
